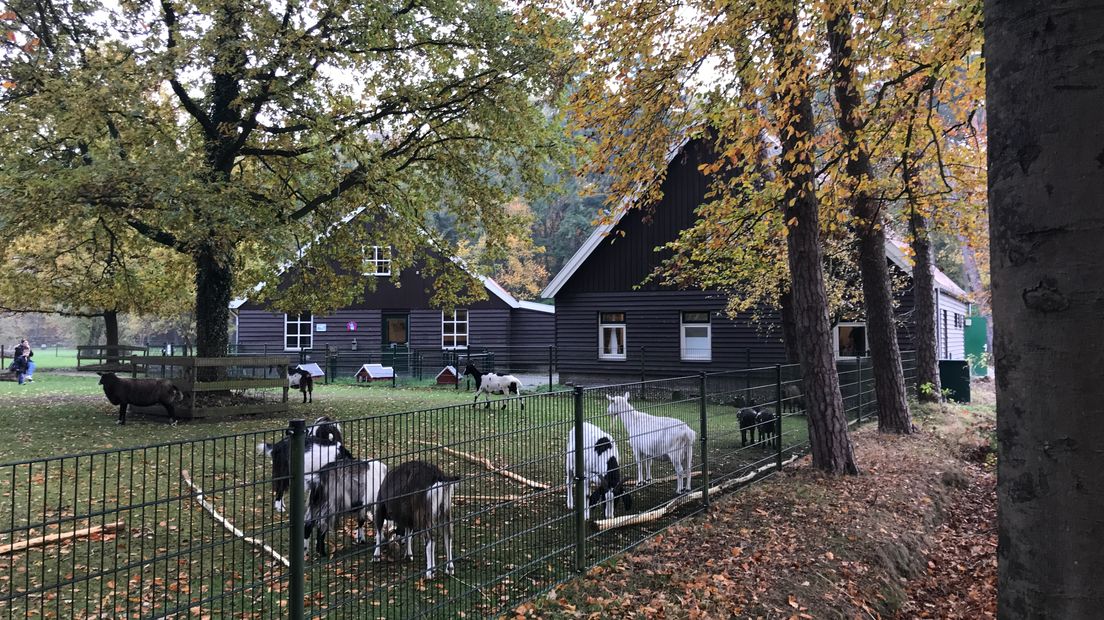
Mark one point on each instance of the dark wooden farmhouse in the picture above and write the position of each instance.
(609, 327)
(400, 320)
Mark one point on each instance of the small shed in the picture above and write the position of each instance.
(448, 376)
(375, 372)
(314, 369)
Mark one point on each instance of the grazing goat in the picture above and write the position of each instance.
(323, 445)
(302, 379)
(494, 383)
(765, 420)
(140, 392)
(601, 469)
(417, 497)
(654, 437)
(337, 490)
(748, 417)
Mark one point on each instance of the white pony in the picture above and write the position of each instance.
(654, 437)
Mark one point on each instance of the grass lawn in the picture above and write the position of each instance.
(169, 556)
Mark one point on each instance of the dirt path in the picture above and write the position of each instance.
(913, 537)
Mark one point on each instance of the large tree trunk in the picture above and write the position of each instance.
(828, 435)
(214, 280)
(789, 326)
(923, 287)
(111, 334)
(869, 231)
(1045, 90)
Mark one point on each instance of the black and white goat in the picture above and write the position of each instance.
(494, 383)
(140, 392)
(340, 489)
(601, 469)
(417, 497)
(302, 379)
(653, 437)
(323, 445)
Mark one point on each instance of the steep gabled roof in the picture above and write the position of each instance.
(895, 250)
(494, 288)
(579, 257)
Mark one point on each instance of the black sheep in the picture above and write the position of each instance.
(748, 417)
(766, 421)
(140, 392)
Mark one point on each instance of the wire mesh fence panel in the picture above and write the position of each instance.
(512, 534)
(126, 534)
(517, 494)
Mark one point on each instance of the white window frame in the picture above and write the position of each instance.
(623, 328)
(836, 337)
(708, 324)
(298, 320)
(452, 318)
(377, 260)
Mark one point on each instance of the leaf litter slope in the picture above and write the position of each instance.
(913, 537)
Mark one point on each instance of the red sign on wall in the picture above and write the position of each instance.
(351, 326)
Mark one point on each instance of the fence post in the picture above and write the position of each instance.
(704, 441)
(297, 510)
(550, 368)
(858, 368)
(580, 486)
(747, 377)
(778, 413)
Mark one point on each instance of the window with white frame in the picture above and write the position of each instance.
(298, 332)
(851, 339)
(377, 260)
(611, 335)
(696, 337)
(454, 329)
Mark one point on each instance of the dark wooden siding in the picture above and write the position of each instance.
(259, 328)
(531, 329)
(488, 328)
(627, 255)
(652, 321)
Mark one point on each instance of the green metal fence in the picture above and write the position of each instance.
(190, 528)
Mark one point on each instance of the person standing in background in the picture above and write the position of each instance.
(23, 362)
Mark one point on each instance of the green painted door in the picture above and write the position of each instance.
(977, 348)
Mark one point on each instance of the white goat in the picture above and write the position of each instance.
(601, 469)
(654, 437)
(494, 383)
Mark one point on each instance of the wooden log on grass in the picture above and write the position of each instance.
(657, 513)
(224, 522)
(40, 541)
(485, 462)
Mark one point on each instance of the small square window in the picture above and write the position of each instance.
(377, 260)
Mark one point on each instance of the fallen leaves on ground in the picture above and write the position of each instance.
(914, 536)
